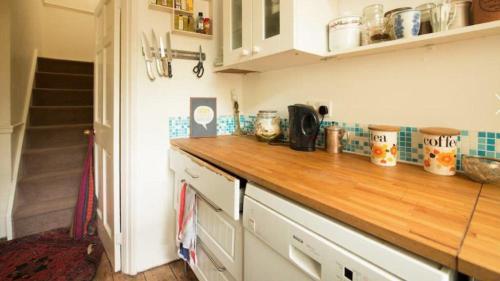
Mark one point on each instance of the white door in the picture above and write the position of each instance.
(237, 31)
(272, 27)
(106, 126)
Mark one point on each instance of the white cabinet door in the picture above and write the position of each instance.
(237, 31)
(272, 27)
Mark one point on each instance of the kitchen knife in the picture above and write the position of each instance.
(146, 52)
(163, 56)
(169, 55)
(156, 54)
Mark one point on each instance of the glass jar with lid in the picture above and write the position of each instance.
(267, 125)
(373, 19)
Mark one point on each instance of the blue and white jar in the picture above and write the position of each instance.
(406, 24)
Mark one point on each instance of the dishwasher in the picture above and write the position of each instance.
(284, 241)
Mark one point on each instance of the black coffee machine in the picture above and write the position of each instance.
(303, 127)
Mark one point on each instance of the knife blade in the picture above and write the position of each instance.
(156, 54)
(146, 52)
(169, 55)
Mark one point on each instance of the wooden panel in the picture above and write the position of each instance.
(423, 213)
(480, 253)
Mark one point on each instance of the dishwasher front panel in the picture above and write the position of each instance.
(303, 254)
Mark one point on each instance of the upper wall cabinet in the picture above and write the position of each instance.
(261, 35)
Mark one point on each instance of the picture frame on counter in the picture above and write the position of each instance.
(203, 117)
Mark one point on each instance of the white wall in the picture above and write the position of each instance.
(5, 129)
(451, 85)
(67, 34)
(55, 31)
(152, 105)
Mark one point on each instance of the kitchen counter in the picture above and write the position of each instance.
(404, 205)
(480, 253)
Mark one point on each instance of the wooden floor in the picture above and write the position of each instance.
(169, 272)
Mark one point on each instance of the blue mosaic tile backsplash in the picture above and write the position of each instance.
(410, 142)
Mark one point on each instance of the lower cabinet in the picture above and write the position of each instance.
(208, 268)
(220, 234)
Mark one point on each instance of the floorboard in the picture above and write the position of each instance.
(170, 272)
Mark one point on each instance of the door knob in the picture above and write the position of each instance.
(245, 53)
(256, 49)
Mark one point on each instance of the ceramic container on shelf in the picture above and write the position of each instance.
(344, 33)
(267, 125)
(388, 21)
(406, 24)
(462, 13)
(384, 145)
(440, 150)
(425, 18)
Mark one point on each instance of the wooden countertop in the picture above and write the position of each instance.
(404, 205)
(480, 253)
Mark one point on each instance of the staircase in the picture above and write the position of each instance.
(54, 146)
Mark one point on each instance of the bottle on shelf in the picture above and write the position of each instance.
(181, 22)
(189, 5)
(206, 26)
(191, 23)
(183, 5)
(177, 4)
(199, 23)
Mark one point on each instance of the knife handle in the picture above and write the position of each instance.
(159, 67)
(170, 70)
(149, 67)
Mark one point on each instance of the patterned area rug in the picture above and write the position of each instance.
(48, 256)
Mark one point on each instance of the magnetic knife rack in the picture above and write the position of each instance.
(183, 55)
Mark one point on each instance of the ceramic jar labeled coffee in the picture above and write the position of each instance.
(384, 145)
(440, 150)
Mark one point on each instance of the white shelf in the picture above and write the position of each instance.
(161, 8)
(459, 34)
(192, 34)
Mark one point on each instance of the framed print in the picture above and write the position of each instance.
(203, 117)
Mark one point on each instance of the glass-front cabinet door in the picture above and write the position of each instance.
(237, 30)
(272, 26)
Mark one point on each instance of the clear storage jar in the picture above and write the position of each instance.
(373, 19)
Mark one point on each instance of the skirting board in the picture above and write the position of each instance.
(19, 144)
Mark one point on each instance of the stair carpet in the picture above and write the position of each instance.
(54, 148)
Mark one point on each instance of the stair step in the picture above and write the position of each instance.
(63, 81)
(56, 136)
(43, 222)
(60, 115)
(43, 97)
(64, 66)
(41, 161)
(44, 207)
(49, 186)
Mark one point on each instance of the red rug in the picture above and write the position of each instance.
(48, 256)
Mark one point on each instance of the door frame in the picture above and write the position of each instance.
(128, 85)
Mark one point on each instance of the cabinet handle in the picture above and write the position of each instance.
(190, 174)
(256, 49)
(219, 268)
(245, 53)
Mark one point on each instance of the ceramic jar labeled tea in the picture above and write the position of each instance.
(440, 150)
(384, 145)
